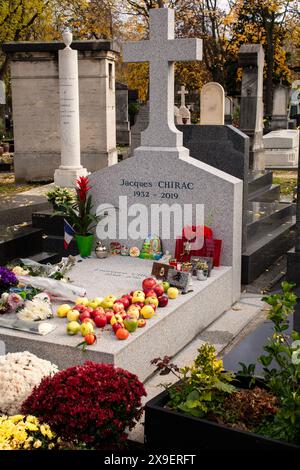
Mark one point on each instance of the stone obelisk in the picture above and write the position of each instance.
(70, 168)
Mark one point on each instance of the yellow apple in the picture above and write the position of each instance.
(147, 311)
(73, 315)
(82, 301)
(173, 292)
(151, 300)
(63, 310)
(86, 328)
(73, 328)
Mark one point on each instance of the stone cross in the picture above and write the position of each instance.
(182, 92)
(161, 51)
(70, 168)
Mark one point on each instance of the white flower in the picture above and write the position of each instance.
(39, 308)
(19, 374)
(19, 271)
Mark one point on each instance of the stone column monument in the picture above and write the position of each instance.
(251, 59)
(70, 168)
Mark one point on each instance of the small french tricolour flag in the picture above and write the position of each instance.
(69, 234)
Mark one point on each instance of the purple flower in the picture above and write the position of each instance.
(7, 278)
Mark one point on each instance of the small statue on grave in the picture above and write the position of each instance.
(151, 248)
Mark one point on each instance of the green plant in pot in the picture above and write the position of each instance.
(266, 407)
(81, 217)
(61, 197)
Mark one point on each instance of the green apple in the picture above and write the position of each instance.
(86, 329)
(73, 328)
(82, 301)
(106, 303)
(130, 324)
(73, 315)
(166, 286)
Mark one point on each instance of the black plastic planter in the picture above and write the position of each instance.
(171, 430)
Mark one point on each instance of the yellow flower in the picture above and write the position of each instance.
(32, 427)
(16, 418)
(37, 444)
(32, 419)
(46, 431)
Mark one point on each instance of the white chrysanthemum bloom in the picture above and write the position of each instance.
(19, 374)
(39, 308)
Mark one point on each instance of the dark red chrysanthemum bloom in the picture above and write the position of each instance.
(92, 403)
(82, 187)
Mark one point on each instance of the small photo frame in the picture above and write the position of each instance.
(207, 259)
(160, 270)
(179, 279)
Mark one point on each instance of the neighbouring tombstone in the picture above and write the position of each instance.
(212, 104)
(228, 110)
(141, 123)
(251, 59)
(294, 105)
(282, 148)
(280, 108)
(122, 119)
(70, 168)
(184, 112)
(35, 100)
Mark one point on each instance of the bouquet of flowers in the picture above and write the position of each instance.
(19, 374)
(21, 432)
(7, 279)
(10, 302)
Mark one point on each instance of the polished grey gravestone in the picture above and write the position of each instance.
(122, 120)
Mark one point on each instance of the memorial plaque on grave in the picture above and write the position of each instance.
(161, 270)
(179, 279)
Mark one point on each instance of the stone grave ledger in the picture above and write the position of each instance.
(282, 148)
(35, 100)
(172, 327)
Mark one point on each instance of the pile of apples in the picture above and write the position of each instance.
(125, 314)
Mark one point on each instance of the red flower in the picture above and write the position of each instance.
(82, 187)
(92, 403)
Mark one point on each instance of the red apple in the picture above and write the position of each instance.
(116, 326)
(109, 314)
(159, 290)
(80, 308)
(139, 304)
(151, 293)
(123, 314)
(149, 283)
(118, 307)
(163, 300)
(88, 320)
(99, 311)
(100, 321)
(153, 306)
(124, 301)
(84, 315)
(89, 309)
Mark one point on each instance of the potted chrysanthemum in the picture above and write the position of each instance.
(81, 217)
